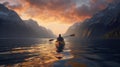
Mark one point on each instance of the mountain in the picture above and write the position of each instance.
(39, 31)
(104, 24)
(12, 26)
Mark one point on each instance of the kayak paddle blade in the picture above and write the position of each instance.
(51, 39)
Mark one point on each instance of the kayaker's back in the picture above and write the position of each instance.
(60, 39)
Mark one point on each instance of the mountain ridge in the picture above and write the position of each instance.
(12, 26)
(100, 25)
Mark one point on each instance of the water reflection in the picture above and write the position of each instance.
(96, 54)
(41, 53)
(28, 53)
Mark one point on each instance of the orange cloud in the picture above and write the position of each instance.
(57, 15)
(46, 11)
(62, 11)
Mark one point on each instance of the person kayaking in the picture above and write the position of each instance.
(60, 43)
(60, 38)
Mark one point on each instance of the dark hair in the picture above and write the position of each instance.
(59, 35)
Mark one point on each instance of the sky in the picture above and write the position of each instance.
(56, 15)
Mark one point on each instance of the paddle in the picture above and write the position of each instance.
(69, 35)
(64, 36)
(51, 39)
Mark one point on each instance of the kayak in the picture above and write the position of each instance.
(59, 46)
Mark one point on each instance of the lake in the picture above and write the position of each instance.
(41, 53)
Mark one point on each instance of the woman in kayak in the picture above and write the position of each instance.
(60, 43)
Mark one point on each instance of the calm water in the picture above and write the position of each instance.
(41, 53)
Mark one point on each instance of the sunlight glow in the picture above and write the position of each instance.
(57, 28)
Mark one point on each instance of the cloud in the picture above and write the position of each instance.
(52, 4)
(53, 10)
(92, 7)
(5, 3)
(63, 11)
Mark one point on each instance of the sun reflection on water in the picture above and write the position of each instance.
(38, 55)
